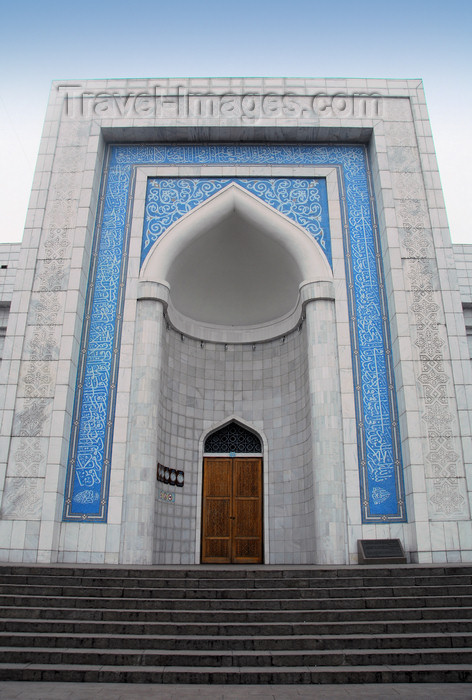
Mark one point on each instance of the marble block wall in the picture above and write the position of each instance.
(265, 387)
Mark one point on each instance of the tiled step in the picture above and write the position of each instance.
(207, 628)
(250, 572)
(269, 593)
(173, 582)
(218, 604)
(227, 658)
(179, 585)
(238, 625)
(459, 673)
(220, 632)
(342, 640)
(374, 608)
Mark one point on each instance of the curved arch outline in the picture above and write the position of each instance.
(298, 243)
(227, 425)
(302, 249)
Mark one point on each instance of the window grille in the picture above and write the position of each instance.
(233, 438)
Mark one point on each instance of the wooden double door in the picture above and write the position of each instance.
(232, 510)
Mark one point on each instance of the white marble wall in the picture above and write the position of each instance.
(463, 265)
(265, 387)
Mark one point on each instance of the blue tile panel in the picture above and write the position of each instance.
(380, 467)
(304, 200)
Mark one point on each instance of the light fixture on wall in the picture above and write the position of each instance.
(175, 477)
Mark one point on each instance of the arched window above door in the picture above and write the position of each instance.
(233, 438)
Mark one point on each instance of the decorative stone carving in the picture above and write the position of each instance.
(22, 499)
(70, 159)
(45, 308)
(57, 241)
(31, 416)
(447, 497)
(446, 491)
(50, 276)
(400, 134)
(37, 376)
(41, 343)
(60, 214)
(29, 457)
(403, 159)
(36, 379)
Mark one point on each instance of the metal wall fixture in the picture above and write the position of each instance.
(175, 477)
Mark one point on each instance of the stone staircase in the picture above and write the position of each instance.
(236, 625)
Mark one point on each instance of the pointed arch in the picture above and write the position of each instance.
(233, 437)
(234, 262)
(233, 199)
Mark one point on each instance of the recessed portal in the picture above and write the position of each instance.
(236, 295)
(232, 497)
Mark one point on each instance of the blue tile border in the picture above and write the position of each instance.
(380, 466)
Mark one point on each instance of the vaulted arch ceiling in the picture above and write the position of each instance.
(235, 262)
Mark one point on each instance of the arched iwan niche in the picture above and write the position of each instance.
(234, 263)
(269, 357)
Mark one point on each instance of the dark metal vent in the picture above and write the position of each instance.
(233, 438)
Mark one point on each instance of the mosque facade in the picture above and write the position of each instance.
(236, 330)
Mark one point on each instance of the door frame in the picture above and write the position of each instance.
(257, 428)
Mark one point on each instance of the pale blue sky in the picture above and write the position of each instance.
(41, 42)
